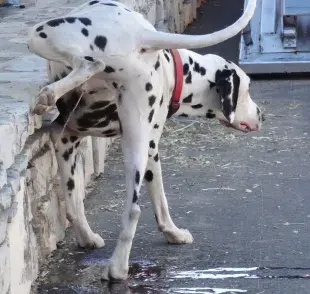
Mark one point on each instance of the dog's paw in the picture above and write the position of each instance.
(93, 241)
(115, 272)
(45, 100)
(179, 236)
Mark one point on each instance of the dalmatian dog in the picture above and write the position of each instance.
(112, 74)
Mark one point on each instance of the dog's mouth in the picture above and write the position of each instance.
(243, 126)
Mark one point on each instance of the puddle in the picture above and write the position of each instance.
(247, 273)
(206, 290)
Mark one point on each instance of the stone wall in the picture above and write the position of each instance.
(32, 208)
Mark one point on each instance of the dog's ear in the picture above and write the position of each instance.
(227, 85)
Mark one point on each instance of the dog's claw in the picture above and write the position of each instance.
(45, 100)
(114, 273)
(181, 236)
(93, 242)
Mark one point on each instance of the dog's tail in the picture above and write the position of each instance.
(161, 40)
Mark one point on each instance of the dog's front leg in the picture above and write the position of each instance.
(66, 148)
(82, 71)
(154, 183)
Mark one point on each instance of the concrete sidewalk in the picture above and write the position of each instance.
(244, 198)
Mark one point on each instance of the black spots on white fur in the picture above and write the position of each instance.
(161, 101)
(70, 184)
(183, 115)
(77, 144)
(67, 154)
(202, 71)
(212, 84)
(43, 35)
(89, 58)
(73, 166)
(104, 116)
(185, 69)
(157, 64)
(152, 100)
(188, 99)
(149, 176)
(109, 4)
(197, 106)
(199, 69)
(196, 66)
(150, 118)
(152, 144)
(190, 60)
(85, 21)
(120, 98)
(156, 157)
(64, 140)
(167, 57)
(39, 29)
(91, 47)
(73, 139)
(148, 87)
(109, 69)
(114, 85)
(70, 19)
(210, 114)
(55, 22)
(85, 32)
(100, 42)
(93, 2)
(137, 177)
(156, 126)
(127, 10)
(188, 79)
(135, 197)
(226, 66)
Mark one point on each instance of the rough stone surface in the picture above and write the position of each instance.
(32, 207)
(4, 268)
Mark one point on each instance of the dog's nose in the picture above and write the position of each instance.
(263, 117)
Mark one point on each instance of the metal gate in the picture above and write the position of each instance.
(277, 40)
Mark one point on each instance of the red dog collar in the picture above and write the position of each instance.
(178, 73)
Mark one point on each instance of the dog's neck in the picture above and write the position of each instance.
(199, 94)
(199, 100)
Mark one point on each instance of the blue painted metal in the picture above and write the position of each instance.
(277, 40)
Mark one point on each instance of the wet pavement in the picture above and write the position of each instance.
(244, 198)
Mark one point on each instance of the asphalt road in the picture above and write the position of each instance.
(245, 199)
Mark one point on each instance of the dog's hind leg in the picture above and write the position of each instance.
(135, 116)
(154, 183)
(73, 188)
(82, 71)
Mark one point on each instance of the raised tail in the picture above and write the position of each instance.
(161, 40)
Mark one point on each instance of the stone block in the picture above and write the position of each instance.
(4, 268)
(22, 245)
(4, 215)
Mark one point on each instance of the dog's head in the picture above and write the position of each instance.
(237, 108)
